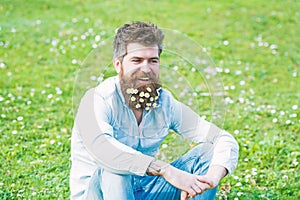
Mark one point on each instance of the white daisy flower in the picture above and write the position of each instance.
(148, 89)
(129, 91)
(132, 98)
(142, 94)
(135, 91)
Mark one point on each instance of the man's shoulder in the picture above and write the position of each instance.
(107, 88)
(167, 97)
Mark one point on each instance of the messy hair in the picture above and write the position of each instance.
(146, 34)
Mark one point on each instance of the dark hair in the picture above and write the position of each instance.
(143, 33)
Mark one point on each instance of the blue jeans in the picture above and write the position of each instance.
(108, 186)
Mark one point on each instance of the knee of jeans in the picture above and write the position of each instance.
(205, 151)
(115, 179)
(116, 186)
(202, 155)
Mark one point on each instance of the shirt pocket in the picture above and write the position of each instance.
(126, 134)
(155, 127)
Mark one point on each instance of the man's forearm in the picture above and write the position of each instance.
(216, 172)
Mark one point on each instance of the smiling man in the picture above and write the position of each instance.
(121, 123)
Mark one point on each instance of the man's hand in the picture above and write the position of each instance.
(211, 180)
(207, 183)
(189, 184)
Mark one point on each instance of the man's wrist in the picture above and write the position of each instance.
(157, 168)
(217, 172)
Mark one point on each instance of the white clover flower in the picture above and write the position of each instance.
(58, 90)
(240, 194)
(2, 65)
(295, 107)
(151, 99)
(147, 108)
(141, 100)
(154, 105)
(137, 105)
(226, 42)
(147, 95)
(97, 38)
(285, 177)
(242, 82)
(238, 184)
(295, 162)
(148, 104)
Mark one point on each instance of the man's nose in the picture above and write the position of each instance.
(145, 68)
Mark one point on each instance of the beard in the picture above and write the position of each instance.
(139, 96)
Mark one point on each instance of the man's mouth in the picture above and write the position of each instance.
(144, 79)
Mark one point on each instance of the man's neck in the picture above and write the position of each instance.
(138, 115)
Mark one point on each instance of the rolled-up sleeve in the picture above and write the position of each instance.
(193, 127)
(93, 126)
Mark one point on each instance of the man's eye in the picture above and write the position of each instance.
(154, 60)
(136, 60)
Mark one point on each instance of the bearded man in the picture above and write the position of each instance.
(121, 123)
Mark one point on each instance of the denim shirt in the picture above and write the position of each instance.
(106, 133)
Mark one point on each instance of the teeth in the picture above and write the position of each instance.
(144, 79)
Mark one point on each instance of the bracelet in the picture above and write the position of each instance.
(153, 169)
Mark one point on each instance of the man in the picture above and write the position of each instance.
(121, 123)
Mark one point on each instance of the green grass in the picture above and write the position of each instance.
(259, 67)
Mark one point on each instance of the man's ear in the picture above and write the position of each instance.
(117, 65)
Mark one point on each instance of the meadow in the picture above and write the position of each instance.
(253, 44)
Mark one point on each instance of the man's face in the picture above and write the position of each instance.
(140, 64)
(139, 72)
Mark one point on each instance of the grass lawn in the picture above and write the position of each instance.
(254, 45)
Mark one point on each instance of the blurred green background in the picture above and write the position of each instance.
(254, 45)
